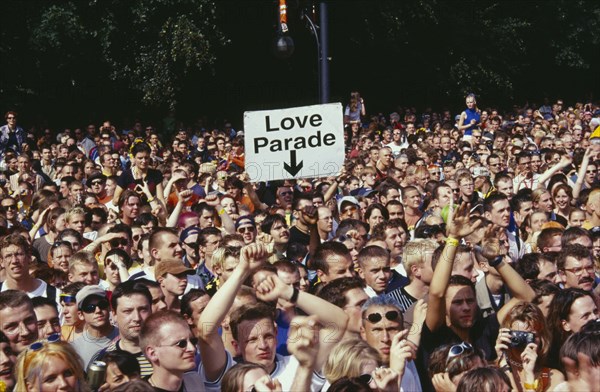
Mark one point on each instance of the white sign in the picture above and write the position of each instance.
(306, 141)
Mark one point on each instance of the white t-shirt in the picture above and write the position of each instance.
(410, 380)
(284, 372)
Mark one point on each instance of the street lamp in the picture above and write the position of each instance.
(283, 46)
(321, 39)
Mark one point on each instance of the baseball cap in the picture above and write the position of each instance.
(173, 267)
(188, 232)
(87, 292)
(347, 199)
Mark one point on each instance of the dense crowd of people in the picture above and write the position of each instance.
(451, 253)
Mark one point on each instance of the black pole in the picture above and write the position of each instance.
(324, 52)
(315, 32)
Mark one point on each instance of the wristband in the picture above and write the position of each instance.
(294, 297)
(533, 386)
(150, 200)
(221, 211)
(494, 263)
(452, 241)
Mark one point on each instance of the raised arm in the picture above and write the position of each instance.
(332, 190)
(258, 205)
(303, 344)
(211, 345)
(39, 223)
(565, 161)
(182, 198)
(457, 227)
(496, 257)
(581, 173)
(333, 319)
(117, 194)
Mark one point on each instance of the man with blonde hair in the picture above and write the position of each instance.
(416, 260)
(83, 267)
(593, 204)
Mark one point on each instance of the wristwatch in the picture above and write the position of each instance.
(494, 263)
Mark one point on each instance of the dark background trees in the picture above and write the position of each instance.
(73, 61)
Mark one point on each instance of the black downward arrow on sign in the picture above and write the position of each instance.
(293, 168)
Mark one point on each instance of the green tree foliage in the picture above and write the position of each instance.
(149, 46)
(449, 48)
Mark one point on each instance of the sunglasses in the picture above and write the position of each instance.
(391, 315)
(97, 182)
(58, 244)
(10, 207)
(68, 299)
(36, 346)
(91, 308)
(192, 245)
(114, 243)
(246, 229)
(182, 343)
(434, 229)
(458, 349)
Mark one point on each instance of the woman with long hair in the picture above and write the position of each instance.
(50, 367)
(562, 196)
(570, 309)
(522, 347)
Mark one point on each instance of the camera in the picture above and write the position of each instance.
(521, 339)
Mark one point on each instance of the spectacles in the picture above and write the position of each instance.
(246, 229)
(591, 171)
(91, 308)
(391, 315)
(458, 349)
(10, 117)
(182, 343)
(114, 243)
(579, 270)
(68, 299)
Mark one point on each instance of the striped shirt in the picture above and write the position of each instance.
(145, 366)
(404, 299)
